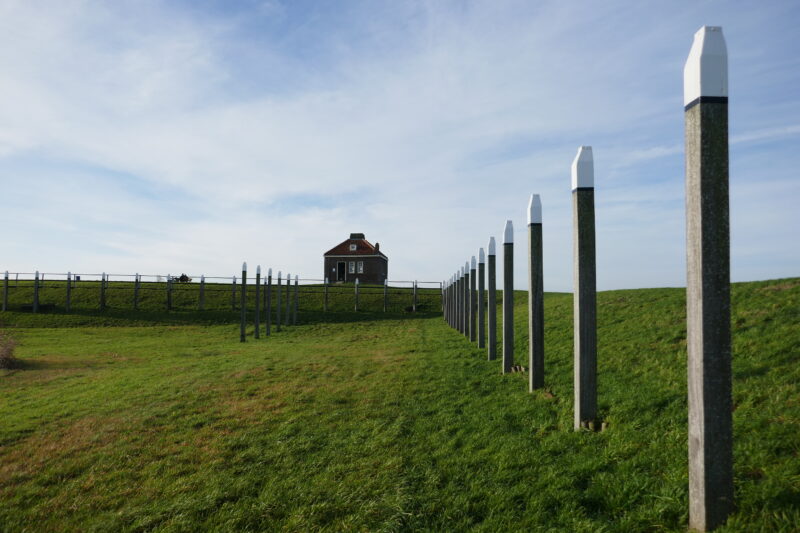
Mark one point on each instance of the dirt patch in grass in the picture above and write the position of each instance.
(781, 286)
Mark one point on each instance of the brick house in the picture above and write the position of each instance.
(356, 258)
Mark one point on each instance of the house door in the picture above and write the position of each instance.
(340, 271)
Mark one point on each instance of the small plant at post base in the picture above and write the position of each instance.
(7, 345)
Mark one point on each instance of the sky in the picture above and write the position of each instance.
(189, 136)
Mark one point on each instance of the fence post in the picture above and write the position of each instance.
(201, 301)
(136, 291)
(472, 302)
(325, 296)
(103, 291)
(508, 297)
(169, 292)
(278, 307)
(5, 291)
(68, 302)
(288, 309)
(269, 301)
(414, 304)
(385, 295)
(36, 292)
(466, 299)
(584, 306)
(708, 311)
(233, 294)
(492, 301)
(243, 304)
(356, 288)
(296, 299)
(462, 305)
(535, 296)
(481, 299)
(257, 333)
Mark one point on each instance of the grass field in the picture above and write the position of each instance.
(384, 422)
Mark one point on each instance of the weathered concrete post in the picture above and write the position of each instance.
(459, 298)
(584, 281)
(5, 291)
(296, 299)
(268, 311)
(288, 310)
(535, 296)
(473, 304)
(201, 301)
(492, 301)
(508, 297)
(708, 313)
(257, 317)
(325, 296)
(36, 292)
(243, 303)
(414, 302)
(68, 303)
(385, 295)
(356, 294)
(465, 300)
(481, 299)
(278, 306)
(103, 292)
(452, 300)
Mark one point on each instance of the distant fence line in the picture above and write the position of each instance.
(51, 291)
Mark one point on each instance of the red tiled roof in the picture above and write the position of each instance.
(363, 247)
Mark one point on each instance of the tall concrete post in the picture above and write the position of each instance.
(296, 299)
(473, 304)
(535, 296)
(708, 312)
(481, 299)
(288, 311)
(278, 304)
(491, 347)
(466, 299)
(243, 304)
(68, 303)
(257, 317)
(268, 310)
(585, 295)
(508, 297)
(459, 294)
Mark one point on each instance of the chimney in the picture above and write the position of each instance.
(377, 247)
(357, 236)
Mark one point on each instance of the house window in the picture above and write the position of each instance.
(352, 247)
(352, 267)
(361, 267)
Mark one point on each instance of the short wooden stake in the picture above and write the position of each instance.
(708, 304)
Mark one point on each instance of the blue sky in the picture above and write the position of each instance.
(189, 136)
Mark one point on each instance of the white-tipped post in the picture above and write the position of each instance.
(473, 263)
(244, 266)
(583, 169)
(508, 297)
(491, 249)
(705, 73)
(508, 233)
(481, 256)
(534, 210)
(491, 319)
(258, 270)
(269, 272)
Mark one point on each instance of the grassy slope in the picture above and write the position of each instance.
(389, 424)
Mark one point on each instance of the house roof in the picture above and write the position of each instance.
(363, 247)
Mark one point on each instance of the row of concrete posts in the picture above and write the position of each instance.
(710, 424)
(264, 298)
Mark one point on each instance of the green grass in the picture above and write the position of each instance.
(366, 421)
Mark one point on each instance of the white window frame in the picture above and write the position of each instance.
(361, 267)
(351, 268)
(353, 247)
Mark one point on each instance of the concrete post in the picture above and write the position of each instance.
(508, 297)
(103, 292)
(233, 294)
(491, 348)
(356, 294)
(473, 304)
(708, 313)
(325, 296)
(466, 299)
(268, 311)
(136, 288)
(459, 273)
(288, 310)
(535, 296)
(36, 292)
(68, 303)
(385, 295)
(296, 299)
(243, 304)
(169, 292)
(278, 306)
(481, 299)
(5, 291)
(585, 295)
(201, 301)
(414, 302)
(257, 317)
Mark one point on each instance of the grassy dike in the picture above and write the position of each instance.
(385, 422)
